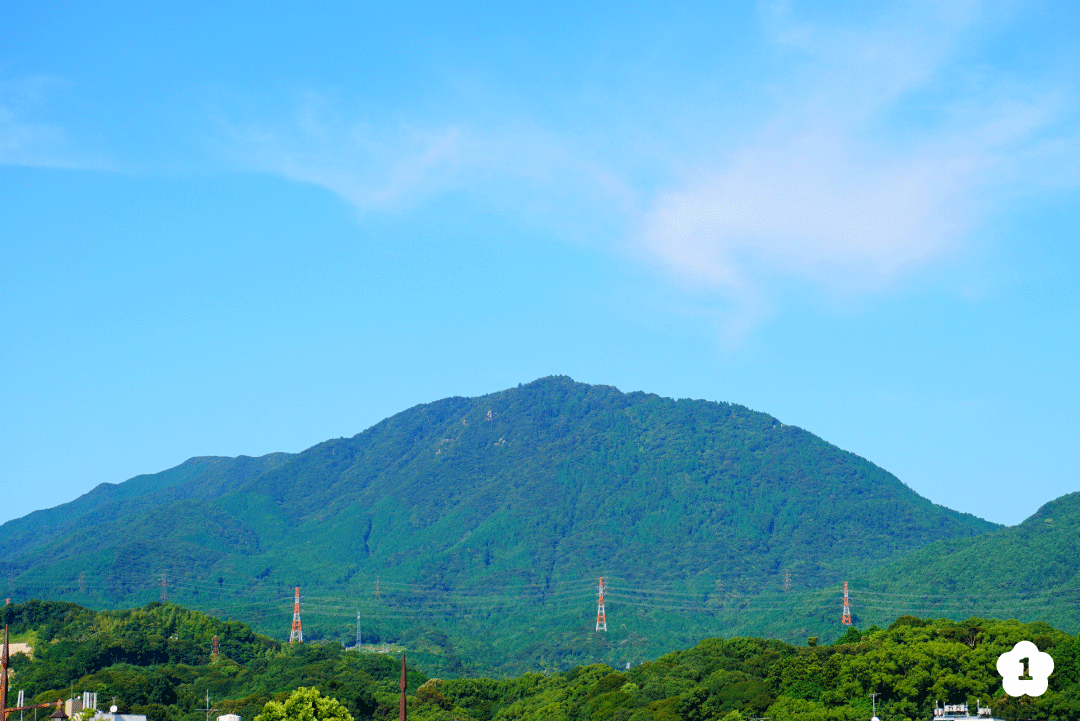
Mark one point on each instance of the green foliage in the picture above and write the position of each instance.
(852, 635)
(909, 666)
(305, 704)
(74, 642)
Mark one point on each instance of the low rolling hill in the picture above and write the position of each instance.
(1029, 572)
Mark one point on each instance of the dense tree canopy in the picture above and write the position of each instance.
(910, 666)
(305, 704)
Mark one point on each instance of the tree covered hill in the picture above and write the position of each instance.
(156, 660)
(1030, 571)
(486, 521)
(197, 479)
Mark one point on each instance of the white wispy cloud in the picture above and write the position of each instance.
(829, 191)
(27, 139)
(23, 141)
(391, 166)
(883, 150)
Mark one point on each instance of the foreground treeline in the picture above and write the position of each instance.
(156, 661)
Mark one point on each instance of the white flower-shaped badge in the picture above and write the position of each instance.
(1037, 669)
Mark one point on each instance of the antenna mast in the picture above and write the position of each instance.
(846, 620)
(297, 634)
(601, 617)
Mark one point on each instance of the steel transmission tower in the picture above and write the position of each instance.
(164, 589)
(359, 636)
(846, 620)
(216, 651)
(297, 634)
(601, 617)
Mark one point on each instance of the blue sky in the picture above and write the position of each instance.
(229, 230)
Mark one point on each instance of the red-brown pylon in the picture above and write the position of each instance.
(846, 620)
(297, 633)
(216, 650)
(601, 617)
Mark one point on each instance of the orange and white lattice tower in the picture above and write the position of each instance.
(846, 620)
(297, 633)
(601, 617)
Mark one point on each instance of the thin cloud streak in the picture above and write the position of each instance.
(21, 139)
(388, 168)
(24, 140)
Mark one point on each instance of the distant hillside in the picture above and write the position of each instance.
(1030, 572)
(203, 478)
(487, 520)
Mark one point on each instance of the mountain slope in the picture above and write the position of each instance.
(1029, 572)
(206, 477)
(496, 514)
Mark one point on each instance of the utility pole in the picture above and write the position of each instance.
(873, 700)
(208, 710)
(846, 619)
(601, 617)
(4, 677)
(402, 716)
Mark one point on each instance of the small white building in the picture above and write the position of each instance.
(89, 700)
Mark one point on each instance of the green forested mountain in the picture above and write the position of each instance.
(484, 523)
(156, 661)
